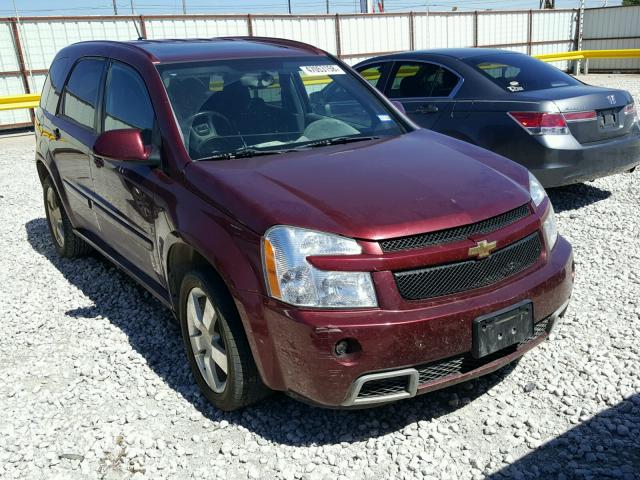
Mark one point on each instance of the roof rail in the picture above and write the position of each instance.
(283, 42)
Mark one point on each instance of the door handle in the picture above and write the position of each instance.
(56, 133)
(430, 108)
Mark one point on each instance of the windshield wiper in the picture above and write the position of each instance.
(247, 152)
(242, 153)
(337, 141)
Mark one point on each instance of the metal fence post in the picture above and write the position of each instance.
(475, 28)
(20, 54)
(21, 64)
(412, 42)
(529, 32)
(338, 46)
(576, 66)
(249, 25)
(143, 28)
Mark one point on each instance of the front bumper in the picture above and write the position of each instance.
(294, 348)
(555, 165)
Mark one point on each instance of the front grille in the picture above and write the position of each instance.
(538, 329)
(384, 386)
(455, 234)
(443, 368)
(467, 275)
(466, 363)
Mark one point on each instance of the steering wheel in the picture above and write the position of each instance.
(204, 137)
(202, 124)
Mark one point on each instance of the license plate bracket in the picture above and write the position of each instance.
(501, 329)
(608, 118)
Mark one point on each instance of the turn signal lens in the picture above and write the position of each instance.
(541, 123)
(270, 267)
(550, 228)
(631, 110)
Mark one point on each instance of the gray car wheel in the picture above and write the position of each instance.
(66, 242)
(216, 344)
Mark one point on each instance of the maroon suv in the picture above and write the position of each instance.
(333, 251)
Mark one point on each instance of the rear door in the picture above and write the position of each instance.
(74, 133)
(425, 89)
(124, 201)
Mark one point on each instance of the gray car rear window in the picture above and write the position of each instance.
(520, 73)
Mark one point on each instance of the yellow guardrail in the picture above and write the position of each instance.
(15, 102)
(587, 54)
(31, 100)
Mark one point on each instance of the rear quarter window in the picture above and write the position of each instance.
(80, 97)
(53, 85)
(519, 73)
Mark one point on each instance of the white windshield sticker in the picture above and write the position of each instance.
(384, 118)
(318, 70)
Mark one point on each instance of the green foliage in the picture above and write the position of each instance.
(627, 3)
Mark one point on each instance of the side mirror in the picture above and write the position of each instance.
(125, 144)
(399, 106)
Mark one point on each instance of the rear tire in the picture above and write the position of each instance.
(216, 345)
(65, 241)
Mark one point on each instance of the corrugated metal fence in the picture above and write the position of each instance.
(28, 46)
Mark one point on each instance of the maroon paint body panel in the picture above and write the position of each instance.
(408, 191)
(409, 184)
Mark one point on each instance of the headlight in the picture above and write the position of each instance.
(550, 228)
(536, 190)
(293, 280)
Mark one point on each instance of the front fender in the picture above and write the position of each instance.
(228, 247)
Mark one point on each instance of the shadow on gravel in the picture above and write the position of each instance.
(604, 447)
(279, 419)
(573, 197)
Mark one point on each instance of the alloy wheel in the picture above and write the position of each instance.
(207, 343)
(55, 216)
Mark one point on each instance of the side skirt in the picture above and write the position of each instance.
(152, 286)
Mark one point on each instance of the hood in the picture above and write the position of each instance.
(413, 183)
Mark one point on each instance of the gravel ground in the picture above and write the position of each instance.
(94, 382)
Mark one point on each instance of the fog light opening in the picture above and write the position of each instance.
(346, 346)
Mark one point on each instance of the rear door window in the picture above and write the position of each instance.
(80, 97)
(126, 102)
(421, 79)
(519, 73)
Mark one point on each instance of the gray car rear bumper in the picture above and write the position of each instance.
(556, 167)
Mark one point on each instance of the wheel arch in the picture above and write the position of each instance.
(182, 256)
(46, 168)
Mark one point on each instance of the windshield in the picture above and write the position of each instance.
(520, 73)
(246, 107)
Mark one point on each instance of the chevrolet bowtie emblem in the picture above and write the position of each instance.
(482, 249)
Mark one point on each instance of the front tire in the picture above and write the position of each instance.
(216, 345)
(65, 241)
